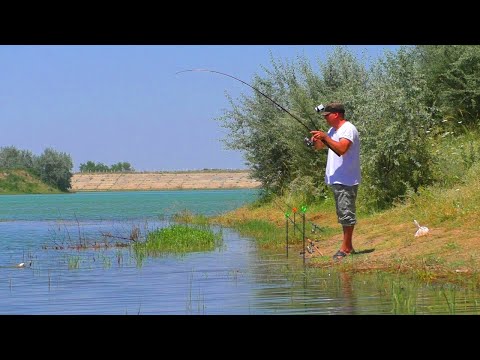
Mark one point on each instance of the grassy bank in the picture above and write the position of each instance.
(386, 240)
(21, 182)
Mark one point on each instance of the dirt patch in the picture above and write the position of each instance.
(441, 254)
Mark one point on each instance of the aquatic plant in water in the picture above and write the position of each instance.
(178, 239)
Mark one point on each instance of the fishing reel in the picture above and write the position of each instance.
(308, 141)
(319, 108)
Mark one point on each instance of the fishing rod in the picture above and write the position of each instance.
(306, 140)
(315, 227)
(287, 215)
(311, 247)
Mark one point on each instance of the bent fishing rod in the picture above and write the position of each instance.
(307, 140)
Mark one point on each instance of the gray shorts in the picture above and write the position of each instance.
(345, 197)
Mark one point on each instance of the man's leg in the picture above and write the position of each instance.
(347, 239)
(345, 198)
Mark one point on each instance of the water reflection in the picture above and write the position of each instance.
(348, 303)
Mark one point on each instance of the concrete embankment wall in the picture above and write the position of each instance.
(162, 181)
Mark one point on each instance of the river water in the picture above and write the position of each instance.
(45, 232)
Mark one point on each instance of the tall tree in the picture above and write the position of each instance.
(55, 168)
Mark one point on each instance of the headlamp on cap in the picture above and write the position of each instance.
(319, 108)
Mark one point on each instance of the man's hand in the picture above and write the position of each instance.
(318, 135)
(317, 138)
(321, 139)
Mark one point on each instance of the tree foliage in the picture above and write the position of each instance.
(91, 166)
(272, 141)
(398, 104)
(13, 158)
(54, 168)
(121, 167)
(394, 123)
(452, 73)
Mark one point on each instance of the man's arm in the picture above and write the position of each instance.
(340, 147)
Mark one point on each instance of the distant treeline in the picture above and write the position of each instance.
(52, 167)
(91, 166)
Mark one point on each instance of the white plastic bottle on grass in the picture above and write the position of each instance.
(421, 230)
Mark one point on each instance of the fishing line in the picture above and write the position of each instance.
(307, 140)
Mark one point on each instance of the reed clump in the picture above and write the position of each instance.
(178, 238)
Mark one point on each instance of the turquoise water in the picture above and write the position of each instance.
(44, 232)
(120, 205)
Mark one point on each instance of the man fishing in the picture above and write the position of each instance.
(342, 173)
(343, 162)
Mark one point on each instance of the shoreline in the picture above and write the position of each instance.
(163, 181)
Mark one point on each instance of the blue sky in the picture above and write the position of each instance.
(125, 103)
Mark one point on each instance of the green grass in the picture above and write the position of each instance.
(21, 182)
(178, 239)
(267, 221)
(187, 217)
(266, 234)
(73, 262)
(451, 208)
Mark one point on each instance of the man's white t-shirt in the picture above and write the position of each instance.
(344, 169)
